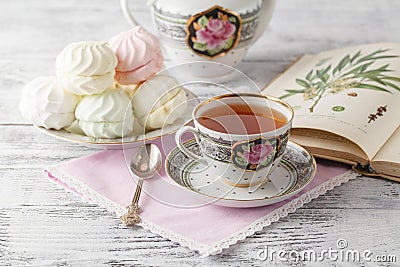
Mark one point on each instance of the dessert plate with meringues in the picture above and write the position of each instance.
(131, 140)
(109, 95)
(293, 173)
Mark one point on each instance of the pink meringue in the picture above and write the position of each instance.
(139, 55)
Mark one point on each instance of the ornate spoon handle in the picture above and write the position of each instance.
(132, 216)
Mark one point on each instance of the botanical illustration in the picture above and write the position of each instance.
(379, 113)
(255, 154)
(352, 71)
(213, 32)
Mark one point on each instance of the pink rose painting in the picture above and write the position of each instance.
(214, 32)
(258, 153)
(255, 154)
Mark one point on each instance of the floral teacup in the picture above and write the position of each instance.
(242, 160)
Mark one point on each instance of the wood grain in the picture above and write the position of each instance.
(42, 225)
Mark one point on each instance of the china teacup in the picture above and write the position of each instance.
(242, 136)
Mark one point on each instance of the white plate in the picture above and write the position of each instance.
(128, 141)
(296, 169)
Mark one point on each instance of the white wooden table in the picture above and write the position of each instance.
(41, 224)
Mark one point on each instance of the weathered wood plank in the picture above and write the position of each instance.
(41, 224)
(93, 236)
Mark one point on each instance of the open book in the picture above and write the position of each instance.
(347, 106)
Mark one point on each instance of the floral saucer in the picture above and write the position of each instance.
(127, 141)
(296, 169)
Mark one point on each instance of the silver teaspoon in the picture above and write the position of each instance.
(145, 163)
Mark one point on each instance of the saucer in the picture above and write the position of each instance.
(127, 141)
(296, 169)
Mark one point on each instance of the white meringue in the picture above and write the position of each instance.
(107, 129)
(82, 85)
(46, 104)
(86, 68)
(167, 113)
(106, 115)
(159, 102)
(50, 120)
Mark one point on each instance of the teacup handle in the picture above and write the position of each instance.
(127, 13)
(181, 146)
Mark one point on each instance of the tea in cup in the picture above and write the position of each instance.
(242, 137)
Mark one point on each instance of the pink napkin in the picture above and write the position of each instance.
(177, 213)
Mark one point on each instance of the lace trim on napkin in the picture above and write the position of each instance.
(89, 194)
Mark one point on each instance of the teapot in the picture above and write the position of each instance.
(202, 31)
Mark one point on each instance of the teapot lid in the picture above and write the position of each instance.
(189, 8)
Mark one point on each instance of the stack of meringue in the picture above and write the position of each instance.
(106, 90)
(159, 102)
(86, 68)
(108, 114)
(46, 104)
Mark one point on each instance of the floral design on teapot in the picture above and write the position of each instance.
(214, 32)
(255, 154)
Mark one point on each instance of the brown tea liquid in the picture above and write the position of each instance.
(241, 119)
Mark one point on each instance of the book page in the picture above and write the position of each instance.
(353, 92)
(390, 152)
(329, 145)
